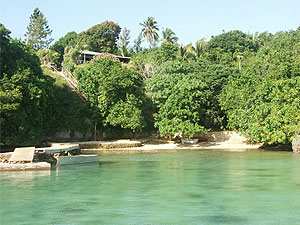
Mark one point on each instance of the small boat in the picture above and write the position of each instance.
(76, 159)
(201, 138)
(189, 141)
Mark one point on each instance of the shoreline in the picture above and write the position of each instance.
(172, 147)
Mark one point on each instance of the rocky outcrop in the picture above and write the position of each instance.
(109, 144)
(44, 157)
(225, 136)
(296, 144)
(4, 157)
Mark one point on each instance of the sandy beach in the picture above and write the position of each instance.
(172, 146)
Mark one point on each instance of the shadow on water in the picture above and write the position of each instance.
(107, 163)
(224, 219)
(72, 211)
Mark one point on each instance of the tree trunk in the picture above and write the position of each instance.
(95, 132)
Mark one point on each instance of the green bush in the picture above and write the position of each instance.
(264, 101)
(115, 92)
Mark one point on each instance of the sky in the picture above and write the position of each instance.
(191, 20)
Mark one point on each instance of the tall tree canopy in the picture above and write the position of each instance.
(227, 48)
(24, 94)
(123, 43)
(114, 91)
(4, 49)
(168, 36)
(32, 104)
(38, 31)
(69, 40)
(102, 37)
(264, 101)
(149, 30)
(186, 95)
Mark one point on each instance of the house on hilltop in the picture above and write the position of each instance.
(87, 56)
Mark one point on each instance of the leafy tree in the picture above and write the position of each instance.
(168, 36)
(69, 40)
(144, 63)
(68, 110)
(186, 94)
(199, 49)
(102, 37)
(263, 102)
(48, 56)
(4, 49)
(184, 108)
(137, 44)
(38, 30)
(150, 61)
(225, 48)
(33, 104)
(262, 39)
(115, 91)
(16, 57)
(70, 57)
(186, 52)
(24, 94)
(123, 43)
(166, 52)
(149, 30)
(233, 41)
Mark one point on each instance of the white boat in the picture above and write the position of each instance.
(189, 141)
(76, 159)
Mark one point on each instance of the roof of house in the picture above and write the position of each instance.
(99, 53)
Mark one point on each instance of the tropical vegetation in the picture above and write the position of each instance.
(245, 82)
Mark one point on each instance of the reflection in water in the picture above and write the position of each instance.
(22, 176)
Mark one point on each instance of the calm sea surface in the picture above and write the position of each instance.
(188, 187)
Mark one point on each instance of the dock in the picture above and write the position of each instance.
(58, 148)
(22, 155)
(25, 166)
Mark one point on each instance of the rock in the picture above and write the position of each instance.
(44, 157)
(4, 157)
(296, 144)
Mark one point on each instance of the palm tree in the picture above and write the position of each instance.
(186, 51)
(190, 51)
(199, 49)
(182, 51)
(168, 36)
(149, 30)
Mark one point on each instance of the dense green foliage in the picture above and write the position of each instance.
(250, 83)
(123, 42)
(68, 110)
(24, 93)
(227, 47)
(114, 91)
(264, 101)
(33, 105)
(102, 37)
(99, 38)
(186, 96)
(5, 59)
(69, 40)
(149, 61)
(38, 30)
(70, 57)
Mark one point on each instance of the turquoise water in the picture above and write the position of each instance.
(190, 187)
